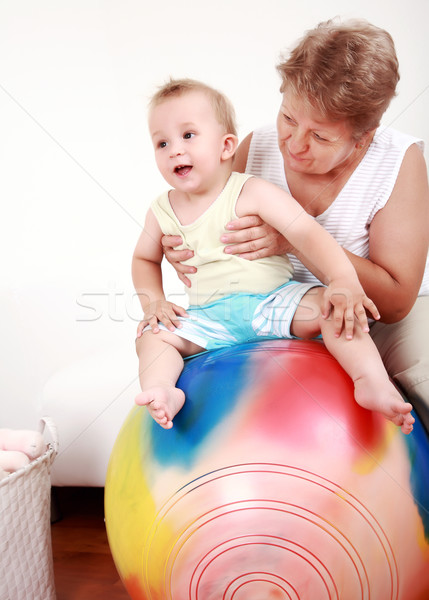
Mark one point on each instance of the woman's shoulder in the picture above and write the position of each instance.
(267, 134)
(371, 185)
(257, 141)
(383, 159)
(264, 158)
(390, 138)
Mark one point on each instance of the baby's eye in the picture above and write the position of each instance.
(188, 135)
(162, 144)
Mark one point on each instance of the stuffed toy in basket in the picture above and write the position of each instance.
(26, 566)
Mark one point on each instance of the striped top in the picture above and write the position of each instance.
(369, 188)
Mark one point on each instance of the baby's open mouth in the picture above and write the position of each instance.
(182, 170)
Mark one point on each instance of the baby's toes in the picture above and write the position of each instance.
(407, 428)
(160, 416)
(405, 422)
(408, 423)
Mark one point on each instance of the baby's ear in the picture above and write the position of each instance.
(230, 143)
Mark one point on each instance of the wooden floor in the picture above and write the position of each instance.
(83, 565)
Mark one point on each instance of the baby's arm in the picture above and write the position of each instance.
(147, 279)
(344, 292)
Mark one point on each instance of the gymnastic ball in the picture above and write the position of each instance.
(273, 483)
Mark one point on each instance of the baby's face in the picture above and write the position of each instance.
(187, 138)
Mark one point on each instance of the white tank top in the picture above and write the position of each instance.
(349, 217)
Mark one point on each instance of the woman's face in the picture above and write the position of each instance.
(311, 144)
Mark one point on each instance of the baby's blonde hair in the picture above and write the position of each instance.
(222, 107)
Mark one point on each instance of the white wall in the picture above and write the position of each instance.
(76, 166)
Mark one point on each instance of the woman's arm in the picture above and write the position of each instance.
(398, 242)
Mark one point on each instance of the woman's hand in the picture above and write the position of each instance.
(175, 257)
(347, 304)
(163, 312)
(251, 238)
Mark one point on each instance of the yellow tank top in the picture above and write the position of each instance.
(219, 274)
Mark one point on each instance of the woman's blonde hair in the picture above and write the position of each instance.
(222, 107)
(346, 71)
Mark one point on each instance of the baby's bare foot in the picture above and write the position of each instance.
(163, 403)
(382, 396)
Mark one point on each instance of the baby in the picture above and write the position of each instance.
(232, 300)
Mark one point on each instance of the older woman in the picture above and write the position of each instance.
(365, 184)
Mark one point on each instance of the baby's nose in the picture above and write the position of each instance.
(176, 149)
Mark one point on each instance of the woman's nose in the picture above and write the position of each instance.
(298, 142)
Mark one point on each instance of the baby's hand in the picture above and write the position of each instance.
(163, 312)
(347, 303)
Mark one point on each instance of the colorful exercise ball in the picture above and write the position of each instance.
(272, 484)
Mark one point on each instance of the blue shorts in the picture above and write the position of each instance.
(243, 317)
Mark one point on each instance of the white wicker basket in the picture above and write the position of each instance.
(26, 567)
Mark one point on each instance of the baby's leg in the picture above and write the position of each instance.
(160, 364)
(359, 357)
